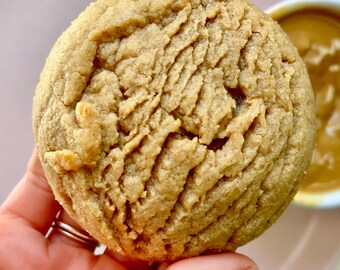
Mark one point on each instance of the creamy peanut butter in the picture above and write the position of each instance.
(317, 36)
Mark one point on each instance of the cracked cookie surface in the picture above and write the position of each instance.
(176, 127)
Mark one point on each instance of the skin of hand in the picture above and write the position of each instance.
(27, 215)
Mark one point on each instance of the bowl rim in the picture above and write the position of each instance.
(286, 7)
(327, 199)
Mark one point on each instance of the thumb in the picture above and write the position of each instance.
(226, 261)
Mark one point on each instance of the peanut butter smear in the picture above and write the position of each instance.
(317, 36)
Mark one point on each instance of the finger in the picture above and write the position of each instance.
(227, 261)
(32, 201)
(58, 235)
(67, 257)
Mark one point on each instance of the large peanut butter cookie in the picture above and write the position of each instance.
(169, 128)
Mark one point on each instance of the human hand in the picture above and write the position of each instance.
(26, 217)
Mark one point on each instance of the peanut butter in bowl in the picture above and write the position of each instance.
(314, 29)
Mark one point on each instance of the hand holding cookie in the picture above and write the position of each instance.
(170, 129)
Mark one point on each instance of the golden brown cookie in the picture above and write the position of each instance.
(170, 128)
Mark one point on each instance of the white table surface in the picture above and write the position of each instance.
(301, 239)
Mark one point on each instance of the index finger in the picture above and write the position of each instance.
(32, 201)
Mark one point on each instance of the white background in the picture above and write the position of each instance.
(301, 239)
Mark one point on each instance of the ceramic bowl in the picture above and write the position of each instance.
(329, 199)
